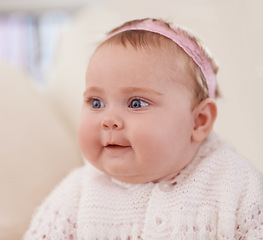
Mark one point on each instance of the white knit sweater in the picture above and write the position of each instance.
(218, 196)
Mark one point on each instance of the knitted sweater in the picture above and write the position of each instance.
(219, 195)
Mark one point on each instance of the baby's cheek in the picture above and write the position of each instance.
(84, 137)
(81, 134)
(148, 145)
(89, 140)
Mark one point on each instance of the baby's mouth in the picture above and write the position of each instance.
(113, 146)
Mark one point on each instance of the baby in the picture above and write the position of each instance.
(154, 167)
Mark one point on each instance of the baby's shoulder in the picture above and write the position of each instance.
(57, 216)
(224, 162)
(223, 153)
(67, 193)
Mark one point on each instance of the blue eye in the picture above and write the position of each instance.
(96, 103)
(137, 103)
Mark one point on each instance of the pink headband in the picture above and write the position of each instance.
(187, 44)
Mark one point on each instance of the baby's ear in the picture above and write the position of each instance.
(205, 114)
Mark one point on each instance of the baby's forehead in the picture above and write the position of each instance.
(165, 49)
(149, 43)
(114, 58)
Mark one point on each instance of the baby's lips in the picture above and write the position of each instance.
(115, 144)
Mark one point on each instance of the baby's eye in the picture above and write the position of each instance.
(96, 103)
(138, 103)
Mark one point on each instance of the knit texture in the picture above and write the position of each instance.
(218, 196)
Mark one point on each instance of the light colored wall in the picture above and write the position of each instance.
(40, 5)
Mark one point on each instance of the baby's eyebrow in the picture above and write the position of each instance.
(139, 89)
(92, 90)
(95, 89)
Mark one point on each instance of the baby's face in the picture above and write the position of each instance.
(137, 122)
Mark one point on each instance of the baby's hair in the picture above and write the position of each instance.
(143, 38)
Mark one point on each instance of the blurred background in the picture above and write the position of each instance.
(44, 49)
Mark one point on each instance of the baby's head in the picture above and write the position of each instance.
(148, 102)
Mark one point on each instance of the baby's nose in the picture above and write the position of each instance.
(112, 123)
